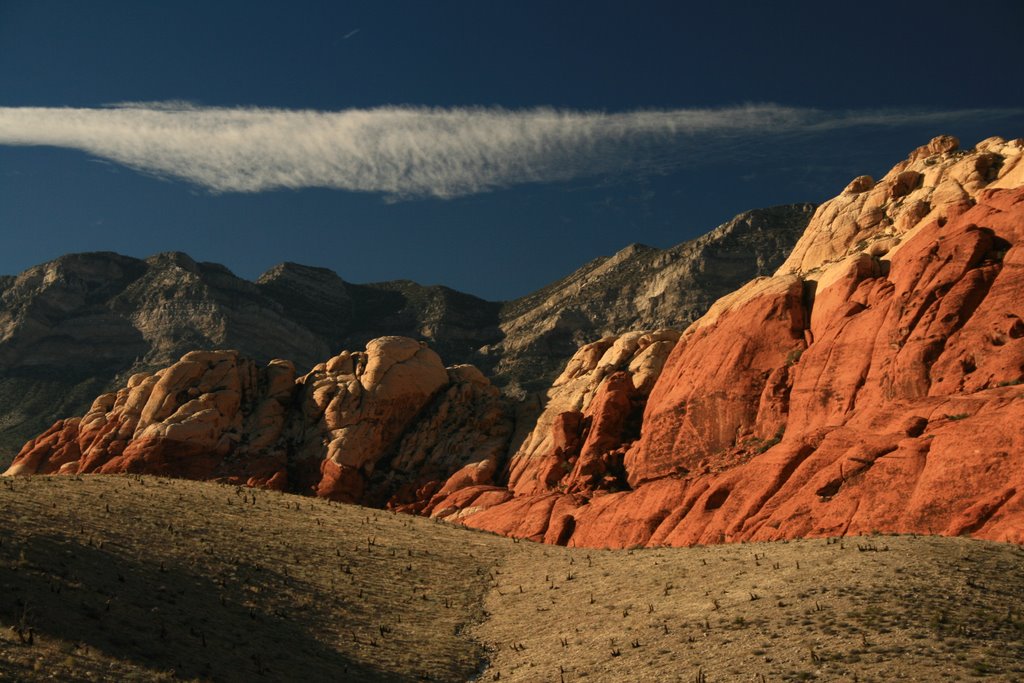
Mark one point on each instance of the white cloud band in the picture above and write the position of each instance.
(406, 151)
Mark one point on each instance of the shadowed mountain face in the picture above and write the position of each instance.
(83, 323)
(346, 315)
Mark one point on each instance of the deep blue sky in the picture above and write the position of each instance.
(604, 56)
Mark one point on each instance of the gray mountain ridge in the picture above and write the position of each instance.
(77, 325)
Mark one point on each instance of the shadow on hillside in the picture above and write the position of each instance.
(164, 617)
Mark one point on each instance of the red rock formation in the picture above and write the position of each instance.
(577, 446)
(357, 406)
(460, 441)
(182, 421)
(709, 395)
(876, 382)
(593, 410)
(355, 428)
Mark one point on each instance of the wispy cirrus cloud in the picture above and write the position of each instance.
(418, 151)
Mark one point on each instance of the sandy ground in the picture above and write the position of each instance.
(140, 578)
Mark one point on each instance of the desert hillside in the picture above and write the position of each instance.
(140, 578)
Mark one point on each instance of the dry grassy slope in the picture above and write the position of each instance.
(288, 586)
(128, 578)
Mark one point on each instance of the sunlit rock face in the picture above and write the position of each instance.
(355, 428)
(213, 413)
(875, 382)
(577, 446)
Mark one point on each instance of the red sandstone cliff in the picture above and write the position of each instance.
(875, 382)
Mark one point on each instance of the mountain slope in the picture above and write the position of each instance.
(82, 324)
(872, 383)
(142, 579)
(641, 288)
(71, 327)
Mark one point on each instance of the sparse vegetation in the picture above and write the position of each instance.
(201, 581)
(758, 445)
(186, 580)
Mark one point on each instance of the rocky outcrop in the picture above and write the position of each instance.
(364, 426)
(576, 451)
(461, 441)
(592, 413)
(873, 383)
(357, 406)
(213, 414)
(84, 323)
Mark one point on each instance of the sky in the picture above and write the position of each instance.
(492, 147)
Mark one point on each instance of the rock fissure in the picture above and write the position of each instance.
(978, 515)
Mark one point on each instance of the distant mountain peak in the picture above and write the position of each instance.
(292, 270)
(177, 259)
